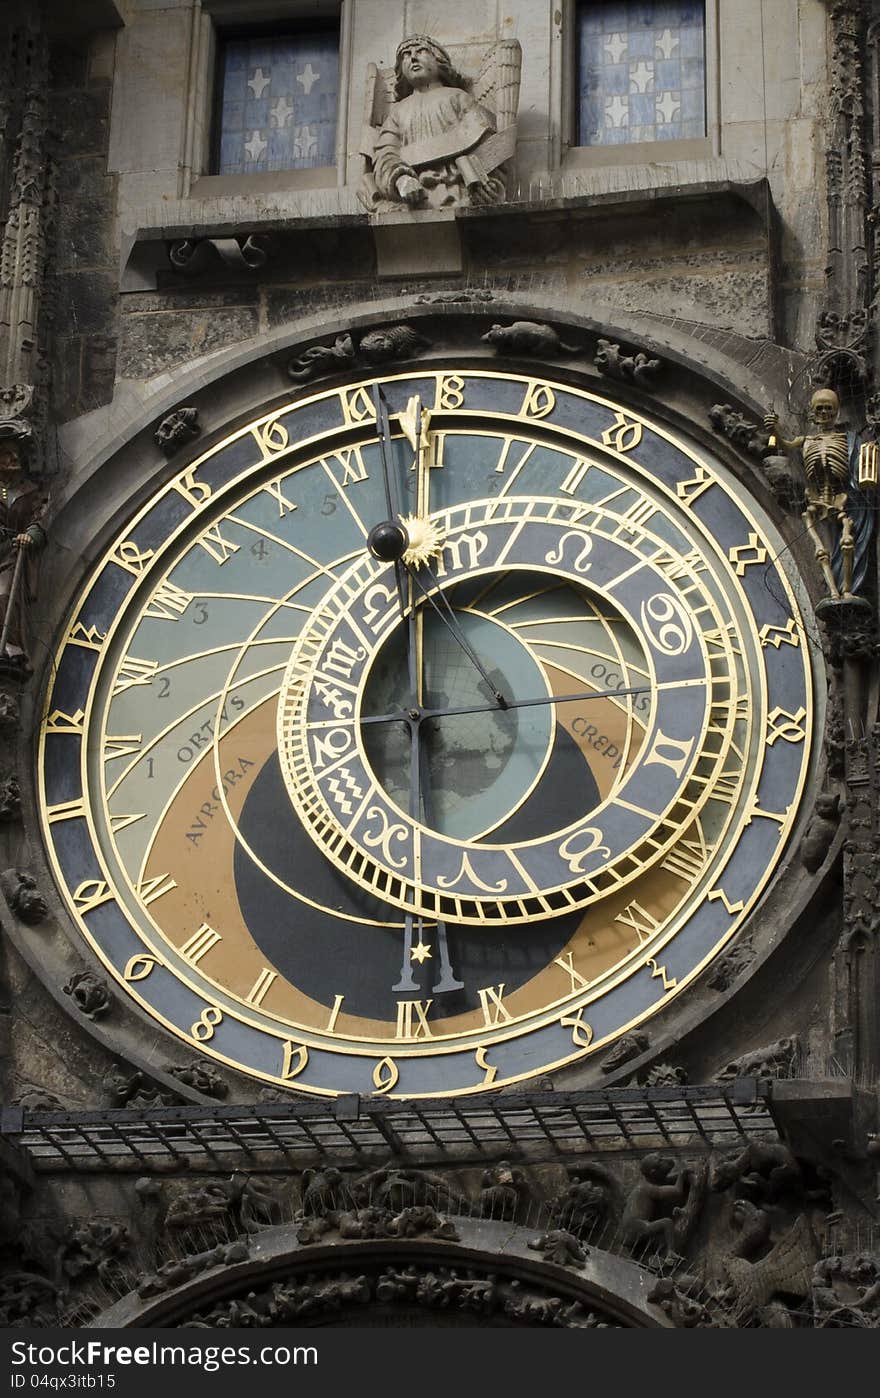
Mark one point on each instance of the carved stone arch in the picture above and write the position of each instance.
(490, 1276)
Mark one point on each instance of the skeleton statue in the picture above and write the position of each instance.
(837, 516)
(434, 138)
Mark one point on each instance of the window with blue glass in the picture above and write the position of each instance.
(277, 102)
(641, 71)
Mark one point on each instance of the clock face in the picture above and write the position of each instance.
(423, 827)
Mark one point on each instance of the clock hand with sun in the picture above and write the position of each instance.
(389, 542)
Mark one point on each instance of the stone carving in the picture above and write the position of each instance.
(246, 252)
(761, 1170)
(90, 994)
(185, 1268)
(821, 830)
(560, 1247)
(502, 1188)
(628, 1046)
(395, 1188)
(757, 1284)
(177, 429)
(24, 505)
(395, 342)
(10, 798)
(732, 965)
(323, 1191)
(38, 1099)
(527, 337)
(27, 1298)
(846, 1292)
(25, 243)
(678, 1296)
(127, 1088)
(664, 1205)
(665, 1075)
(9, 712)
(742, 431)
(322, 359)
(434, 138)
(200, 1076)
(776, 1060)
(839, 513)
(456, 298)
(23, 897)
(420, 1220)
(93, 1246)
(637, 368)
(382, 346)
(310, 1299)
(587, 1201)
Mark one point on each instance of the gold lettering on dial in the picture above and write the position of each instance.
(122, 822)
(566, 962)
(782, 724)
(719, 895)
(66, 810)
(168, 602)
(573, 480)
(137, 968)
(668, 982)
(193, 491)
(740, 555)
(581, 1031)
(60, 722)
(214, 544)
(294, 1058)
(776, 636)
(489, 1069)
(274, 491)
(127, 555)
(539, 400)
(261, 986)
(121, 744)
(91, 893)
(148, 890)
(623, 434)
(687, 859)
(585, 544)
(201, 942)
(450, 392)
(341, 659)
(494, 1011)
(353, 469)
(133, 671)
(271, 437)
(464, 552)
(357, 405)
(637, 917)
(334, 1013)
(692, 489)
(663, 752)
(576, 848)
(385, 1075)
(412, 1019)
(203, 1029)
(381, 838)
(89, 637)
(466, 872)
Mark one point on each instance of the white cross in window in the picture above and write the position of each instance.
(305, 141)
(666, 43)
(307, 78)
(281, 112)
(667, 106)
(616, 111)
(258, 82)
(256, 146)
(615, 47)
(641, 77)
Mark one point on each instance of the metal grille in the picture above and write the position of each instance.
(533, 1126)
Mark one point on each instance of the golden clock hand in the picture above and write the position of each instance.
(452, 625)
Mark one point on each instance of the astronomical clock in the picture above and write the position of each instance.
(426, 734)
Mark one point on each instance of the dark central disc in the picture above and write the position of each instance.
(388, 541)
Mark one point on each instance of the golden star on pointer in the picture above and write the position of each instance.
(421, 953)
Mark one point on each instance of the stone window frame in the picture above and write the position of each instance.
(569, 156)
(218, 15)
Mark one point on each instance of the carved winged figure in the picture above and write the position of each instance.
(434, 138)
(786, 1270)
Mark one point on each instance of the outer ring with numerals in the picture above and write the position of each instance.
(692, 825)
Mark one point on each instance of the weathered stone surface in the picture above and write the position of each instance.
(152, 343)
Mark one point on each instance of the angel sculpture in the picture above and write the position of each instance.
(434, 138)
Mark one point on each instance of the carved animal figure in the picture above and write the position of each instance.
(762, 1170)
(501, 1188)
(821, 830)
(654, 1203)
(785, 1271)
(527, 337)
(775, 1060)
(395, 342)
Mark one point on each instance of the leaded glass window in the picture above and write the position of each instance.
(277, 102)
(641, 71)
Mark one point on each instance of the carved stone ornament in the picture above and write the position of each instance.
(464, 297)
(23, 897)
(177, 429)
(821, 830)
(527, 337)
(776, 1060)
(434, 138)
(502, 1188)
(246, 252)
(90, 994)
(732, 965)
(742, 431)
(560, 1247)
(587, 1201)
(182, 1270)
(663, 1207)
(639, 368)
(383, 346)
(9, 712)
(126, 1088)
(10, 798)
(665, 1075)
(627, 1047)
(201, 1076)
